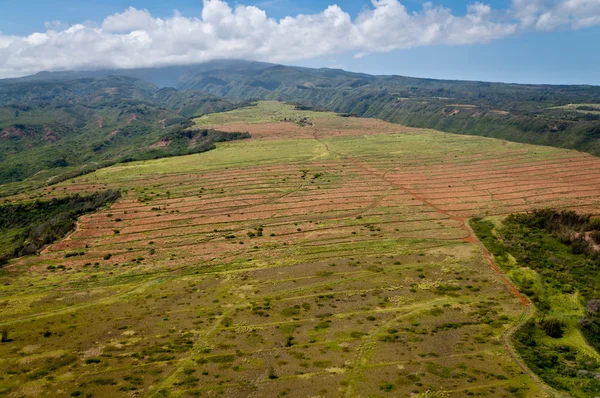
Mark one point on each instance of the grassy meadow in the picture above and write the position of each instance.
(324, 257)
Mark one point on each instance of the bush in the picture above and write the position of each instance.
(595, 235)
(580, 246)
(272, 374)
(4, 336)
(553, 327)
(105, 381)
(593, 306)
(387, 387)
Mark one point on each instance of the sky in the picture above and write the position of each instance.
(520, 41)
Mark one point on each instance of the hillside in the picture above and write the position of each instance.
(325, 256)
(64, 120)
(560, 116)
(57, 127)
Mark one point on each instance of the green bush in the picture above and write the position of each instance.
(553, 327)
(4, 335)
(595, 235)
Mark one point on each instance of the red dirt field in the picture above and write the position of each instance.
(327, 127)
(278, 197)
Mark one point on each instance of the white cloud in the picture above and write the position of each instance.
(55, 25)
(548, 15)
(134, 38)
(131, 19)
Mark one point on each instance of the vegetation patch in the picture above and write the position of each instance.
(26, 227)
(550, 256)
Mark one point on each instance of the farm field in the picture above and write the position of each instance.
(326, 256)
(581, 108)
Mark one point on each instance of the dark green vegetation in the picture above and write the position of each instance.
(26, 227)
(65, 128)
(183, 139)
(552, 257)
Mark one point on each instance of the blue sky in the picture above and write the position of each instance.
(26, 16)
(566, 53)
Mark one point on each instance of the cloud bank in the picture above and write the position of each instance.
(134, 38)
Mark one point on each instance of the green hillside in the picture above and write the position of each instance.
(49, 129)
(68, 122)
(523, 113)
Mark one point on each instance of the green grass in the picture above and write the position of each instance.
(227, 155)
(261, 112)
(593, 109)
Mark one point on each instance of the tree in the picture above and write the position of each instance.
(4, 336)
(595, 236)
(553, 327)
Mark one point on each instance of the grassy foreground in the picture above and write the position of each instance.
(326, 257)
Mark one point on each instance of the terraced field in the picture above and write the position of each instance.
(327, 256)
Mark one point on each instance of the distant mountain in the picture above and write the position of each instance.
(52, 127)
(169, 76)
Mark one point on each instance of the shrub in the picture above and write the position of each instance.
(105, 381)
(595, 235)
(272, 374)
(579, 246)
(553, 327)
(593, 306)
(387, 387)
(4, 335)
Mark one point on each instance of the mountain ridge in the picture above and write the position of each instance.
(145, 73)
